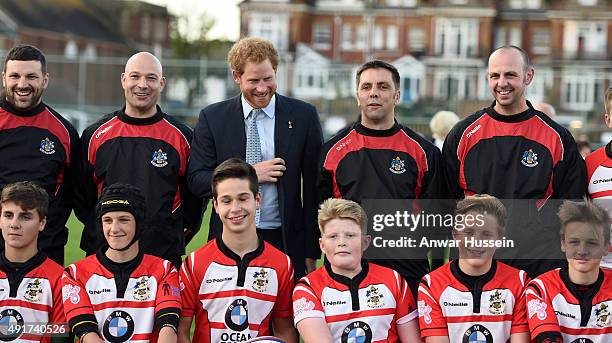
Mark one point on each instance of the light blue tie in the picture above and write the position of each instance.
(253, 146)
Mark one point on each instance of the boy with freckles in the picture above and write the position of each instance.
(350, 299)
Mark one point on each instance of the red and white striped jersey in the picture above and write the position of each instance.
(555, 304)
(599, 172)
(488, 308)
(31, 294)
(124, 299)
(366, 308)
(233, 299)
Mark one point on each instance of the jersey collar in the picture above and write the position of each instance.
(377, 133)
(23, 267)
(15, 272)
(21, 113)
(515, 118)
(244, 262)
(121, 271)
(352, 284)
(356, 280)
(248, 256)
(585, 298)
(609, 149)
(159, 115)
(474, 284)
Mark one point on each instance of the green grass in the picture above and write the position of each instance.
(73, 253)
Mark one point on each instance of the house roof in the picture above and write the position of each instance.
(77, 17)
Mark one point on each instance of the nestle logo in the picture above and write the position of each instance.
(343, 144)
(103, 131)
(473, 131)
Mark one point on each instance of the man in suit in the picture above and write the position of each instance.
(287, 136)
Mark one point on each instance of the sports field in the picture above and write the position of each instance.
(73, 253)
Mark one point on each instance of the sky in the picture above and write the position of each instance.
(224, 12)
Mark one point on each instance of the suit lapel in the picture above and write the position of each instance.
(235, 124)
(284, 124)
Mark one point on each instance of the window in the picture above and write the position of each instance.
(541, 41)
(587, 2)
(525, 4)
(379, 38)
(515, 36)
(347, 37)
(585, 39)
(500, 37)
(362, 36)
(321, 35)
(416, 39)
(456, 37)
(456, 83)
(265, 30)
(401, 3)
(449, 87)
(272, 27)
(392, 37)
(580, 91)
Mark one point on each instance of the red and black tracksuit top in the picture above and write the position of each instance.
(151, 154)
(40, 145)
(522, 156)
(526, 157)
(397, 163)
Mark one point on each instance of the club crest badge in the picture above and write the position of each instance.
(260, 282)
(397, 166)
(159, 158)
(530, 158)
(497, 305)
(142, 291)
(375, 298)
(33, 290)
(47, 146)
(603, 315)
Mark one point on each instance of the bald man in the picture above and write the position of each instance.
(143, 146)
(546, 108)
(512, 151)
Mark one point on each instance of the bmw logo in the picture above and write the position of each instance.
(11, 325)
(357, 332)
(237, 315)
(118, 327)
(477, 334)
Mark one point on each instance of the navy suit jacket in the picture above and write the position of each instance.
(220, 134)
